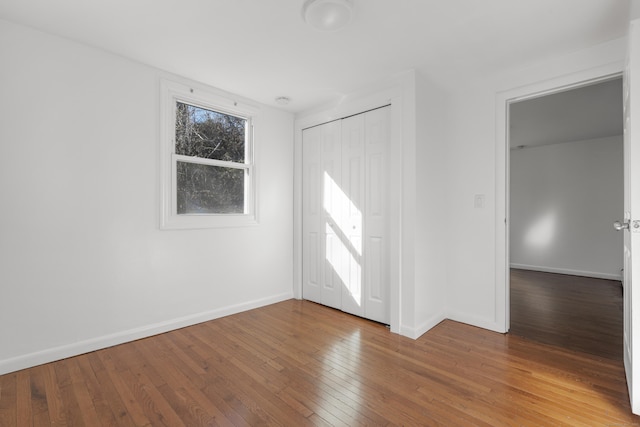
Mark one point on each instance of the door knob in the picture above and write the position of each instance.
(620, 225)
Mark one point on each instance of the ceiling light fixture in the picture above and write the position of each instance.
(283, 100)
(327, 15)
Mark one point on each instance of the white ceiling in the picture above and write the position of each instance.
(589, 112)
(262, 49)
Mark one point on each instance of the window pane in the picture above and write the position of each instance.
(209, 134)
(205, 189)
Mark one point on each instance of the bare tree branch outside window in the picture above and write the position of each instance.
(207, 134)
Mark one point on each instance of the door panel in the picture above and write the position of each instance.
(376, 250)
(353, 204)
(312, 245)
(375, 276)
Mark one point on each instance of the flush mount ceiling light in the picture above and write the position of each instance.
(283, 100)
(327, 15)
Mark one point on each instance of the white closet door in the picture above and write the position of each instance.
(376, 218)
(312, 232)
(345, 215)
(351, 226)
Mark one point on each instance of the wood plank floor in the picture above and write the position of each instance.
(296, 363)
(577, 313)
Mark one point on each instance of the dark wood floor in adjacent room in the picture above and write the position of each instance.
(296, 363)
(578, 313)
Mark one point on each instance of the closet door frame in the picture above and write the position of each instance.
(399, 93)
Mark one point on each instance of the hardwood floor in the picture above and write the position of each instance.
(297, 363)
(577, 313)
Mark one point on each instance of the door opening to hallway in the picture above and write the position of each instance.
(565, 191)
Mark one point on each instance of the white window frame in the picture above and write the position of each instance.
(172, 91)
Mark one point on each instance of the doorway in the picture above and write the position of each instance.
(565, 190)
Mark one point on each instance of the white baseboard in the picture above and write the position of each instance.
(57, 353)
(568, 271)
(480, 322)
(417, 332)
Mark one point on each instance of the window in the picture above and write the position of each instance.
(208, 177)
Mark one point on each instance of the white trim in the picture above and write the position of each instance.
(568, 271)
(503, 99)
(210, 162)
(176, 89)
(417, 332)
(480, 322)
(93, 344)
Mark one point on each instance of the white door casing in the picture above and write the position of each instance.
(566, 81)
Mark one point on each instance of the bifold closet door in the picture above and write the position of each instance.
(345, 219)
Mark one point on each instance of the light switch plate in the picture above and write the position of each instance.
(478, 201)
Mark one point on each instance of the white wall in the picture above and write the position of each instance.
(477, 236)
(564, 199)
(83, 263)
(634, 9)
(431, 231)
(471, 293)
